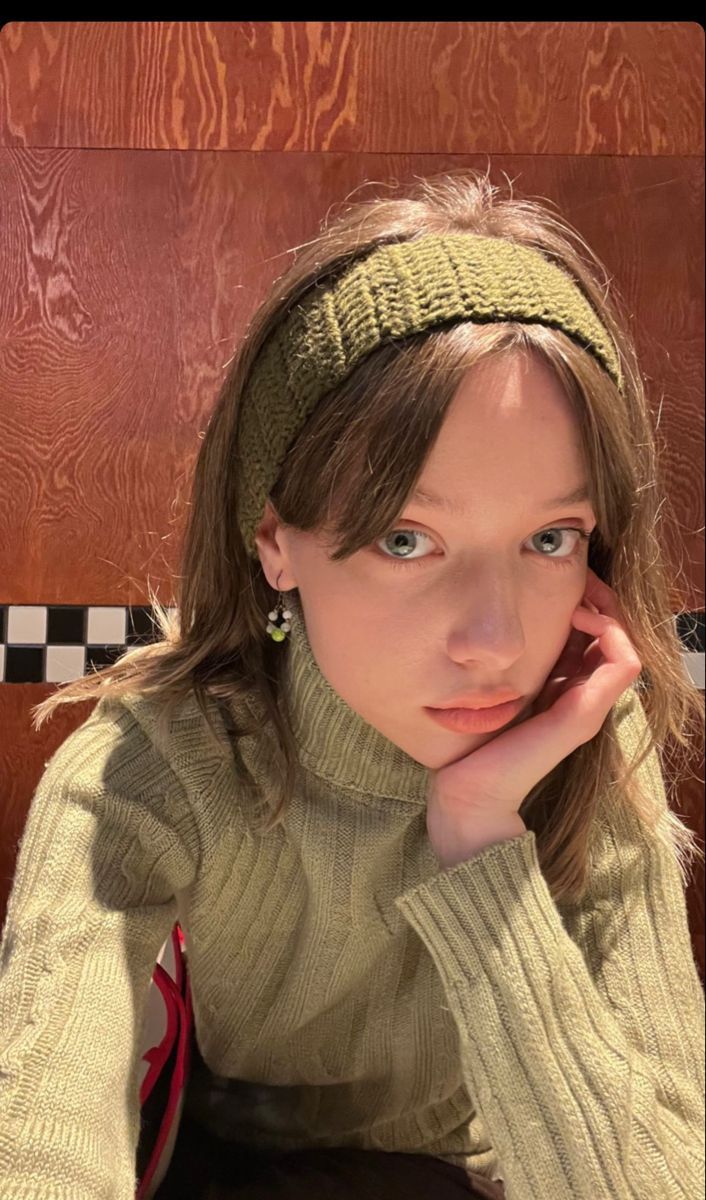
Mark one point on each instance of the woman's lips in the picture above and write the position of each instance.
(476, 720)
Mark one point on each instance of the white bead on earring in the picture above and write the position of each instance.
(279, 632)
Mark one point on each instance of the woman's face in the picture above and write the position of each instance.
(446, 602)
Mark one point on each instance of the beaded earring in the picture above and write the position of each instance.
(279, 632)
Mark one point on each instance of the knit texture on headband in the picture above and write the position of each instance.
(398, 289)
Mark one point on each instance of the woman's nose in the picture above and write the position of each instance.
(489, 626)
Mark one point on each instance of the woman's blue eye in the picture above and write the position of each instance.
(399, 536)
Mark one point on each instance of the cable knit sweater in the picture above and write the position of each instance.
(354, 993)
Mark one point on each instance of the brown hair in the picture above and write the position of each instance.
(366, 443)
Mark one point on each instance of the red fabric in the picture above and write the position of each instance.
(169, 1063)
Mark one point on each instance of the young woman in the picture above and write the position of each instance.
(393, 765)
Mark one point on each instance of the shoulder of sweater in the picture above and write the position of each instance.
(118, 749)
(187, 748)
(182, 740)
(109, 827)
(115, 749)
(115, 760)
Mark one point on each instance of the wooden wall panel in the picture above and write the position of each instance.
(356, 87)
(152, 178)
(133, 277)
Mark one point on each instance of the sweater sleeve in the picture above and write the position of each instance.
(106, 845)
(584, 1054)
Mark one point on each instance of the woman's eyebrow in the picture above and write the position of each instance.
(433, 500)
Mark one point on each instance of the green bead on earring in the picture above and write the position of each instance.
(279, 632)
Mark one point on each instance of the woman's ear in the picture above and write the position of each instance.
(271, 540)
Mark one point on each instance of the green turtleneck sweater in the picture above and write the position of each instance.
(360, 995)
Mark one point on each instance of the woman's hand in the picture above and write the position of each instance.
(475, 801)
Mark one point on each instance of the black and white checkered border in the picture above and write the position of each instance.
(55, 643)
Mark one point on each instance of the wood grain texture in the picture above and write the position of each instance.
(131, 277)
(153, 177)
(356, 87)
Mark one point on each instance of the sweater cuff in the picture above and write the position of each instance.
(488, 914)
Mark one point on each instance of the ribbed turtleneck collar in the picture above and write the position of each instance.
(334, 741)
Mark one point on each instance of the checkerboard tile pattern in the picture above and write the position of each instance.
(55, 643)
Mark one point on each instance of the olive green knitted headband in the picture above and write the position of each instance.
(397, 290)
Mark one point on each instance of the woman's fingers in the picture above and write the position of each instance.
(572, 655)
(618, 664)
(602, 596)
(597, 655)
